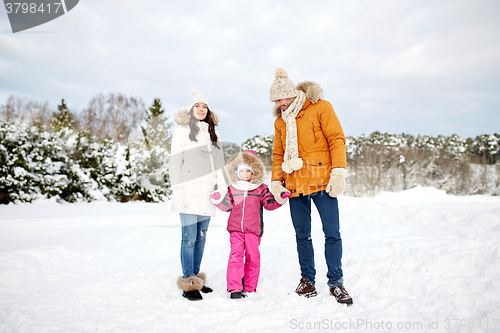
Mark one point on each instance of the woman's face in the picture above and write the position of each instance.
(200, 111)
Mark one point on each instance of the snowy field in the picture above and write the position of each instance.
(414, 261)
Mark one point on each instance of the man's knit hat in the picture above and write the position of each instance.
(282, 87)
(195, 96)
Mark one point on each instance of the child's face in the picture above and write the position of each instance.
(245, 174)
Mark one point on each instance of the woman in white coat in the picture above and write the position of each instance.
(196, 168)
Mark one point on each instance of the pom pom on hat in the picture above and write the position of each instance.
(195, 96)
(194, 92)
(282, 86)
(280, 73)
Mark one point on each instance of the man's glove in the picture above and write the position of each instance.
(336, 185)
(279, 192)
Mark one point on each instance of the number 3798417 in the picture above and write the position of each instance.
(25, 7)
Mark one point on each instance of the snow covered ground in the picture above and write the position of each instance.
(418, 260)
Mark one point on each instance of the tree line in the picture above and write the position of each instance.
(113, 116)
(395, 162)
(118, 149)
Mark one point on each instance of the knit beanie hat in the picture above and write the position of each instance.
(282, 87)
(242, 166)
(195, 96)
(251, 151)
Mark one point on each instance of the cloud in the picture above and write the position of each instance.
(419, 67)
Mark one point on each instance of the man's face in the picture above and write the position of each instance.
(284, 103)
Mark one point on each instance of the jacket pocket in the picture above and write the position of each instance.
(318, 172)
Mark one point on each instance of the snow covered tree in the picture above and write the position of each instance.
(486, 148)
(449, 163)
(36, 164)
(149, 154)
(39, 162)
(63, 118)
(263, 146)
(158, 130)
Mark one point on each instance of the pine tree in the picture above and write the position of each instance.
(63, 118)
(157, 132)
(155, 110)
(152, 169)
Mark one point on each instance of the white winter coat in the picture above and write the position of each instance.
(195, 168)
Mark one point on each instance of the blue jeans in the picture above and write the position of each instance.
(194, 233)
(300, 209)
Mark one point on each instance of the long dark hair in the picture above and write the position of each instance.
(210, 120)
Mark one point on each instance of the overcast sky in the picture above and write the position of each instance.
(417, 67)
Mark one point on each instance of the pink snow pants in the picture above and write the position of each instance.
(244, 261)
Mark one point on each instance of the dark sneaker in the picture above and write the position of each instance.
(192, 295)
(341, 295)
(237, 295)
(206, 290)
(306, 289)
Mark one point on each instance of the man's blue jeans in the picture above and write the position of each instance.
(300, 209)
(194, 234)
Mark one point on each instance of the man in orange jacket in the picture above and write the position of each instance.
(309, 161)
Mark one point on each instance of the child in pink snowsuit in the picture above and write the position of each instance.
(245, 199)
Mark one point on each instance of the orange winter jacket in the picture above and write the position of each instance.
(321, 145)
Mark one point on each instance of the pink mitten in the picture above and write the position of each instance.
(285, 195)
(215, 195)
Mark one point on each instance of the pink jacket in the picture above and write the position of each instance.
(246, 207)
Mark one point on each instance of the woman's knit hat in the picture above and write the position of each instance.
(282, 87)
(195, 96)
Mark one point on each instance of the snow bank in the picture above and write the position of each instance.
(418, 260)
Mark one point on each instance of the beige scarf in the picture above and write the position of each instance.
(292, 161)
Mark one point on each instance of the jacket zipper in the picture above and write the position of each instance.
(243, 211)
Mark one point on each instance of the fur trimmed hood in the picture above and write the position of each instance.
(182, 117)
(250, 159)
(313, 93)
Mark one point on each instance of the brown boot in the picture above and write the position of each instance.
(191, 287)
(305, 289)
(341, 295)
